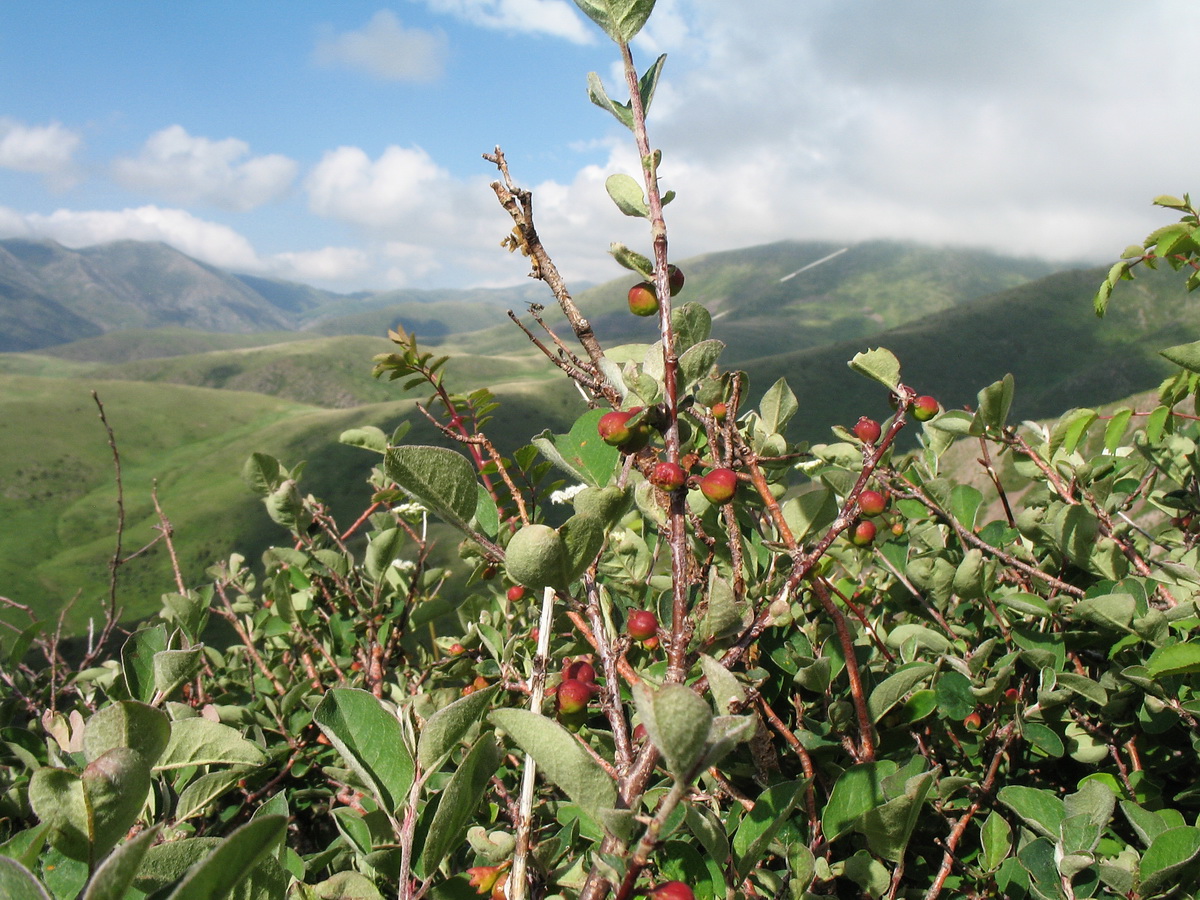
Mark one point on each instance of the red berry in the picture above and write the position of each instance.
(668, 475)
(973, 721)
(867, 430)
(672, 890)
(642, 299)
(925, 408)
(864, 533)
(675, 276)
(719, 485)
(457, 650)
(615, 431)
(719, 410)
(897, 528)
(580, 670)
(479, 683)
(642, 624)
(640, 733)
(872, 503)
(1012, 695)
(516, 592)
(573, 696)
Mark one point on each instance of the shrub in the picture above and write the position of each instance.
(998, 698)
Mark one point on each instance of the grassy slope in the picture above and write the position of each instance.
(868, 289)
(1045, 334)
(157, 343)
(59, 503)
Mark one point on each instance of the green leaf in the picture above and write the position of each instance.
(631, 260)
(1185, 355)
(18, 883)
(1177, 659)
(1044, 738)
(727, 691)
(1146, 823)
(371, 740)
(1167, 855)
(367, 437)
(994, 403)
(115, 875)
(1084, 687)
(889, 827)
(996, 841)
(810, 512)
(441, 480)
(878, 364)
(1069, 430)
(778, 406)
(581, 453)
(560, 757)
(137, 661)
(89, 813)
(127, 723)
(173, 668)
(598, 95)
(487, 515)
(620, 19)
(197, 741)
(444, 730)
(263, 473)
(698, 360)
(681, 861)
(692, 324)
(759, 826)
(1115, 430)
(858, 789)
(1108, 610)
(202, 791)
(232, 860)
(385, 547)
(647, 85)
(1039, 809)
(895, 687)
(678, 722)
(955, 698)
(459, 800)
(627, 194)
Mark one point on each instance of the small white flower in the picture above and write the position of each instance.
(409, 509)
(404, 565)
(566, 494)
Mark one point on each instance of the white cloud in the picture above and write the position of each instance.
(209, 241)
(384, 48)
(347, 185)
(182, 168)
(47, 150)
(556, 18)
(340, 265)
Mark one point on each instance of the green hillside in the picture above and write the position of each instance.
(156, 343)
(763, 303)
(189, 407)
(1044, 333)
(59, 499)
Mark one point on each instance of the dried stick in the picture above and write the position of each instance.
(517, 881)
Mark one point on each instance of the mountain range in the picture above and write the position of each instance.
(198, 367)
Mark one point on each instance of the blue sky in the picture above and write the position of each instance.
(340, 144)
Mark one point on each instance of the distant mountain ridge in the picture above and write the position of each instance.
(118, 286)
(52, 295)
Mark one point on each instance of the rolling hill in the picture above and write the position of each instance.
(189, 405)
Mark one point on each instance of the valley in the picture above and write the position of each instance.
(198, 368)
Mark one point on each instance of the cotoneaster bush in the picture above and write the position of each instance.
(995, 695)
